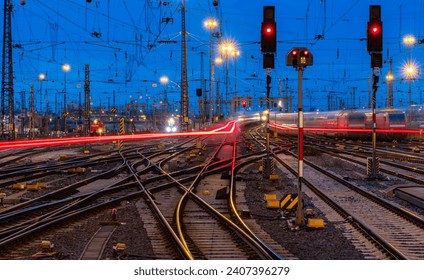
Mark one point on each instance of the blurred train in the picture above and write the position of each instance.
(346, 123)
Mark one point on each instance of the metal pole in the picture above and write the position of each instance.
(390, 86)
(31, 131)
(268, 88)
(275, 122)
(235, 87)
(409, 77)
(202, 105)
(375, 78)
(226, 83)
(7, 92)
(184, 83)
(87, 100)
(211, 78)
(299, 212)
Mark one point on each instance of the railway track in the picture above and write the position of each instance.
(397, 231)
(153, 189)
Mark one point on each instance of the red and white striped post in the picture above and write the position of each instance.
(299, 211)
(299, 58)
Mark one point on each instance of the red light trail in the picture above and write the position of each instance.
(360, 130)
(228, 128)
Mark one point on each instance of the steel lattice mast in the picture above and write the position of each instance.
(87, 100)
(184, 86)
(7, 98)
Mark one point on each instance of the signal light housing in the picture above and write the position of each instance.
(269, 36)
(299, 57)
(375, 36)
(269, 31)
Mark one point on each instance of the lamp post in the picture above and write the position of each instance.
(410, 71)
(235, 54)
(409, 41)
(41, 78)
(218, 61)
(226, 48)
(390, 78)
(65, 68)
(211, 24)
(164, 80)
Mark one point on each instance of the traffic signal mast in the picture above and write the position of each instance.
(374, 48)
(299, 58)
(268, 48)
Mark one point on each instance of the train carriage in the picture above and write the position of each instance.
(355, 124)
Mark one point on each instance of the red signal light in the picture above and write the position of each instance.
(268, 30)
(243, 103)
(375, 29)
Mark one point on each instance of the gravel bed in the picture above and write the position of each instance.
(357, 175)
(132, 233)
(319, 244)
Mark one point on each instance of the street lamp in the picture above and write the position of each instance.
(235, 54)
(410, 72)
(390, 78)
(65, 68)
(409, 41)
(218, 61)
(165, 80)
(226, 48)
(211, 24)
(41, 78)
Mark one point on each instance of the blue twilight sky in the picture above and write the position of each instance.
(130, 44)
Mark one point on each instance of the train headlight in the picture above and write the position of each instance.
(168, 129)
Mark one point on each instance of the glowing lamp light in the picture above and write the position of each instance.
(66, 67)
(409, 40)
(210, 23)
(375, 29)
(411, 70)
(164, 80)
